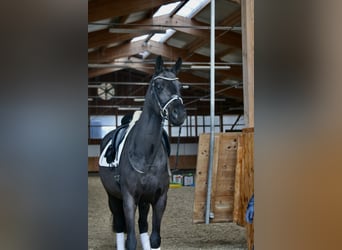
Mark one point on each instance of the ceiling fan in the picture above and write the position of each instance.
(106, 91)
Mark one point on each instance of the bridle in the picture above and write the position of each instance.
(163, 108)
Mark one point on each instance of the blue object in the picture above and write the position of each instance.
(250, 210)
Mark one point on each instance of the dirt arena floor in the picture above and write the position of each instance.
(177, 232)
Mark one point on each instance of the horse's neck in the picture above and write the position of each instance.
(149, 126)
(147, 136)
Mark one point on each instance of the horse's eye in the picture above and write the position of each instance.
(159, 85)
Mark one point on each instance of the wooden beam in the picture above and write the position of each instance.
(129, 49)
(98, 72)
(247, 7)
(103, 37)
(124, 50)
(102, 9)
(188, 78)
(234, 73)
(233, 19)
(172, 52)
(232, 92)
(225, 52)
(230, 38)
(103, 71)
(137, 65)
(236, 1)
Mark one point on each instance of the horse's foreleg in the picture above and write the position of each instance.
(158, 211)
(129, 208)
(144, 207)
(119, 226)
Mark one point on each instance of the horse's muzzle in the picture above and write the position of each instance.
(177, 113)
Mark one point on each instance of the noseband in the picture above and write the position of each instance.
(163, 109)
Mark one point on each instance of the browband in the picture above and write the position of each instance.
(165, 78)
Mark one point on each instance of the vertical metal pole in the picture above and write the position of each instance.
(212, 108)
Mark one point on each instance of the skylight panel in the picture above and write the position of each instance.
(99, 25)
(191, 8)
(161, 38)
(166, 9)
(138, 38)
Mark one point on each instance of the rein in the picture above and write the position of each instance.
(177, 152)
(163, 109)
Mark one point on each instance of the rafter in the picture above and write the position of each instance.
(124, 50)
(98, 72)
(182, 24)
(102, 9)
(233, 19)
(173, 53)
(189, 78)
(130, 49)
(103, 37)
(229, 38)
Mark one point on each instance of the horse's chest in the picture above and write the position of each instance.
(149, 184)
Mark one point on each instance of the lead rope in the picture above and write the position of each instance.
(177, 152)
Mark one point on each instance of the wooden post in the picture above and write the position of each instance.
(238, 211)
(247, 21)
(248, 178)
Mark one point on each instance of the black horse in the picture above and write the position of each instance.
(142, 176)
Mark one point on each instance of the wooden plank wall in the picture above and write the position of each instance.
(223, 182)
(244, 181)
(232, 178)
(93, 164)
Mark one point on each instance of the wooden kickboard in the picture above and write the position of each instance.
(223, 177)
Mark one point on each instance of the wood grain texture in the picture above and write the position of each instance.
(223, 177)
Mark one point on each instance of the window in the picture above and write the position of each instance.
(188, 128)
(232, 122)
(100, 125)
(193, 126)
(203, 124)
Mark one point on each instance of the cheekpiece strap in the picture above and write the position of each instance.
(163, 110)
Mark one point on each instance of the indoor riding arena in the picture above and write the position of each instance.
(152, 57)
(178, 230)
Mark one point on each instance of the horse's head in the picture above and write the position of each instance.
(165, 88)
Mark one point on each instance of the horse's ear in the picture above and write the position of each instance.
(176, 68)
(159, 64)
